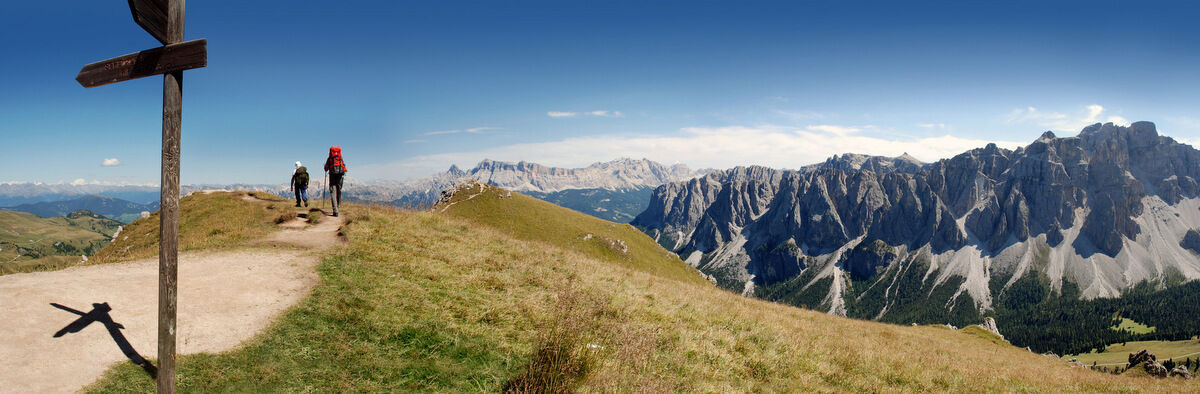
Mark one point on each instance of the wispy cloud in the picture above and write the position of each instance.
(473, 130)
(698, 147)
(932, 126)
(415, 141)
(607, 114)
(110, 162)
(1063, 122)
(840, 131)
(599, 113)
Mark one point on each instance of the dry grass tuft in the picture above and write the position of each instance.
(315, 215)
(565, 351)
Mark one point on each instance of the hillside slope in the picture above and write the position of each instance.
(29, 243)
(206, 221)
(112, 208)
(498, 291)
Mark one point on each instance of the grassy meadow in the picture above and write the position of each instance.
(1133, 327)
(218, 220)
(30, 243)
(1118, 353)
(491, 297)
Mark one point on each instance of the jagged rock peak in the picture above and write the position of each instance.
(1100, 200)
(909, 158)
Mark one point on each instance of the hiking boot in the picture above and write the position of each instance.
(297, 205)
(306, 204)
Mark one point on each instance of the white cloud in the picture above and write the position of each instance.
(835, 130)
(79, 181)
(415, 141)
(473, 130)
(607, 114)
(1093, 110)
(936, 126)
(111, 162)
(698, 147)
(1061, 122)
(600, 113)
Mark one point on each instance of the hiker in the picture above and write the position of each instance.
(335, 167)
(300, 184)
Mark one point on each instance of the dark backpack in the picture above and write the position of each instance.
(302, 177)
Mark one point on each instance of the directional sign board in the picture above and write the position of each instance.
(162, 60)
(151, 15)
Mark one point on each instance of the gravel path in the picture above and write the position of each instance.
(224, 298)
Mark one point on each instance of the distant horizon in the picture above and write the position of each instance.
(1009, 146)
(407, 89)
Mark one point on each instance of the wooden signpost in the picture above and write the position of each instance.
(163, 19)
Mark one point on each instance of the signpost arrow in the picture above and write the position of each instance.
(163, 19)
(162, 60)
(151, 15)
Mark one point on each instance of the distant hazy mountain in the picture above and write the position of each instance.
(879, 164)
(894, 239)
(112, 208)
(615, 190)
(17, 193)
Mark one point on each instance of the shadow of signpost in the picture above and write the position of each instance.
(99, 313)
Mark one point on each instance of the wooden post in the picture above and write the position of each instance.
(168, 237)
(163, 19)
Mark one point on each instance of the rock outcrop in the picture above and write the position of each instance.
(1106, 209)
(1181, 372)
(989, 324)
(1139, 358)
(1153, 368)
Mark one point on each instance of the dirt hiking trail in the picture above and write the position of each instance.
(225, 297)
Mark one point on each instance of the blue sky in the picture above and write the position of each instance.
(408, 88)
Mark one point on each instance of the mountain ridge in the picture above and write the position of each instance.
(977, 222)
(114, 208)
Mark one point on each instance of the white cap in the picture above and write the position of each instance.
(297, 164)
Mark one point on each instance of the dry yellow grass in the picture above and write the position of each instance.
(434, 303)
(207, 221)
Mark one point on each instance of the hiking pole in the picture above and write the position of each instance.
(324, 188)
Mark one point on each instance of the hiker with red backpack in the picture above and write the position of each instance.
(300, 184)
(335, 169)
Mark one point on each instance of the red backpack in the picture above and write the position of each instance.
(337, 167)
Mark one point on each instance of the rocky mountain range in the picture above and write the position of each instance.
(614, 190)
(876, 237)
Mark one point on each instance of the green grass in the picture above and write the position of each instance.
(1119, 353)
(1133, 327)
(978, 332)
(219, 220)
(30, 243)
(428, 302)
(530, 219)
